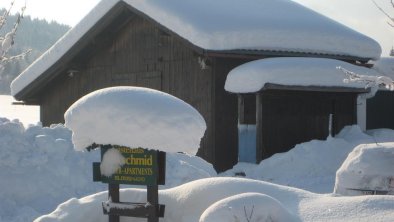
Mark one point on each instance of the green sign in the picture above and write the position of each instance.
(140, 166)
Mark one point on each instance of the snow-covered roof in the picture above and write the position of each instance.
(280, 25)
(385, 66)
(319, 72)
(135, 117)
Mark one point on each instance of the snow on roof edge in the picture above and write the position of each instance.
(64, 44)
(252, 77)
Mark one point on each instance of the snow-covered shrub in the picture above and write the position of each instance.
(248, 207)
(369, 169)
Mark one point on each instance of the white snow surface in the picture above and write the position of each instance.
(367, 167)
(280, 25)
(112, 161)
(40, 169)
(292, 71)
(40, 162)
(186, 203)
(135, 117)
(312, 165)
(385, 65)
(247, 207)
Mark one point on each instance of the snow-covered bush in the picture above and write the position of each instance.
(248, 207)
(369, 169)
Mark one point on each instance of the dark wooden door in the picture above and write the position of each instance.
(287, 118)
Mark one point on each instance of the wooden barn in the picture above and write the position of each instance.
(286, 101)
(184, 48)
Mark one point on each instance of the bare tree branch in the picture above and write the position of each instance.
(385, 13)
(3, 18)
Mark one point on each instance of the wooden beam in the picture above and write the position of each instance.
(259, 128)
(272, 86)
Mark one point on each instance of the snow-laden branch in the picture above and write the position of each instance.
(7, 41)
(3, 18)
(369, 81)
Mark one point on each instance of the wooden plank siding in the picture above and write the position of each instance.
(139, 55)
(380, 110)
(286, 118)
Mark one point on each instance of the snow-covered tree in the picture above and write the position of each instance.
(373, 82)
(7, 40)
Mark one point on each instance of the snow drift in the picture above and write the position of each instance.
(368, 169)
(186, 203)
(40, 169)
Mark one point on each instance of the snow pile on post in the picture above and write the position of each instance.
(135, 117)
(247, 207)
(253, 76)
(369, 169)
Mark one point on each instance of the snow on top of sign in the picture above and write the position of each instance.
(135, 117)
(319, 72)
(280, 25)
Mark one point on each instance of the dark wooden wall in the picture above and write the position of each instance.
(226, 115)
(140, 54)
(380, 110)
(287, 118)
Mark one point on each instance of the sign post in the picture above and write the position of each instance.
(141, 167)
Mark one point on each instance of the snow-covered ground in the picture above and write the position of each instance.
(41, 169)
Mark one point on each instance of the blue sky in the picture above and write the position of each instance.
(360, 15)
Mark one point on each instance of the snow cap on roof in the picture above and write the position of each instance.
(253, 76)
(280, 25)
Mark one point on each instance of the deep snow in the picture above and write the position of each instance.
(40, 169)
(311, 166)
(186, 203)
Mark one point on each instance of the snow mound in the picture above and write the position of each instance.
(182, 168)
(40, 169)
(311, 165)
(369, 167)
(186, 203)
(247, 207)
(135, 117)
